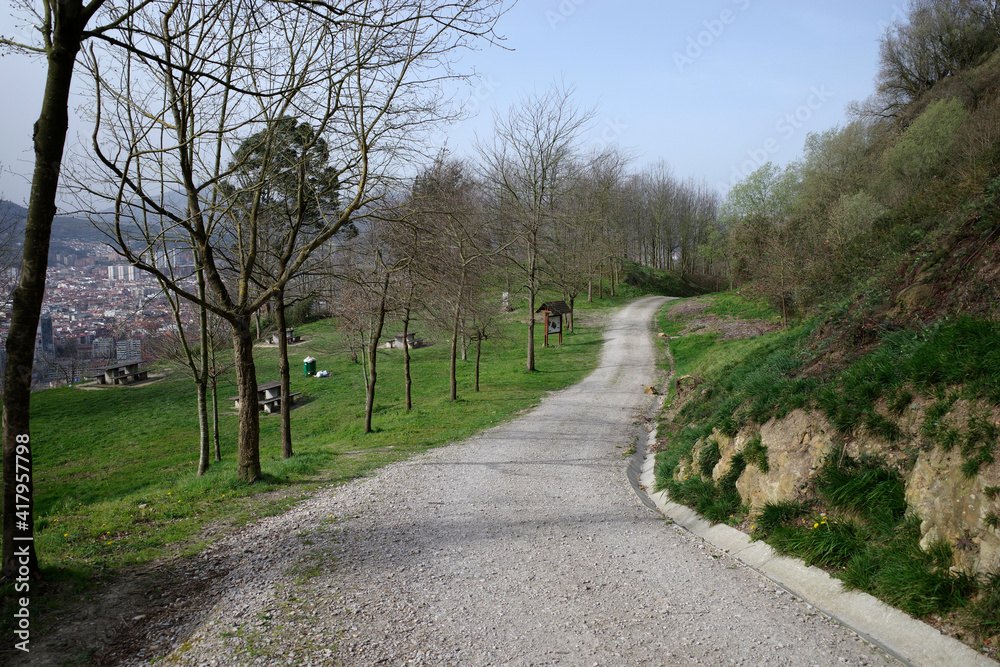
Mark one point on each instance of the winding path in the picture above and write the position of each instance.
(523, 546)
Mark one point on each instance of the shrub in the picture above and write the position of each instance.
(926, 147)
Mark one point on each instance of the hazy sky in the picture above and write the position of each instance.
(713, 88)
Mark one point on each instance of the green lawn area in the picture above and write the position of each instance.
(114, 472)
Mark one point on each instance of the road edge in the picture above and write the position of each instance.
(908, 640)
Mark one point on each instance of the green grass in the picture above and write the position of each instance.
(732, 304)
(981, 614)
(775, 515)
(114, 469)
(639, 280)
(863, 535)
(99, 455)
(869, 542)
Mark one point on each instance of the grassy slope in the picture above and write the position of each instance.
(876, 550)
(114, 468)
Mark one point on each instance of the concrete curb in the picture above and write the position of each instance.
(901, 636)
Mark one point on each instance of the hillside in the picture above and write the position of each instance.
(117, 496)
(864, 437)
(64, 228)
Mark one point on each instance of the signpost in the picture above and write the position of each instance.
(553, 310)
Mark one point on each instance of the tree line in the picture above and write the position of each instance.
(271, 141)
(864, 192)
(274, 140)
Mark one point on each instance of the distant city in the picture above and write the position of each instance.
(97, 310)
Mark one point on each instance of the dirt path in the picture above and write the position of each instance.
(523, 546)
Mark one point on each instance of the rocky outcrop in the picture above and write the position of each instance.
(796, 446)
(952, 507)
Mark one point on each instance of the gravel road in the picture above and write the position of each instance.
(522, 546)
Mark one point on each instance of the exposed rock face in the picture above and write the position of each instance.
(915, 296)
(951, 507)
(954, 508)
(796, 447)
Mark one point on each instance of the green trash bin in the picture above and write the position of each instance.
(309, 366)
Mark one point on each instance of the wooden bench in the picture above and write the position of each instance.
(290, 337)
(121, 373)
(268, 397)
(141, 374)
(273, 404)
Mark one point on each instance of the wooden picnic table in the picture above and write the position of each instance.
(268, 397)
(122, 372)
(289, 336)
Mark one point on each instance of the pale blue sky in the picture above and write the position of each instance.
(713, 88)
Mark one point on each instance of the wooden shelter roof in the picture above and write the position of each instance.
(554, 308)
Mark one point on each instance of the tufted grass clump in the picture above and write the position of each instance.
(862, 486)
(868, 540)
(825, 543)
(774, 515)
(755, 454)
(708, 458)
(982, 614)
(894, 568)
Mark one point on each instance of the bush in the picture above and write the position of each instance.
(927, 146)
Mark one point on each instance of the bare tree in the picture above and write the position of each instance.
(484, 321)
(447, 209)
(367, 301)
(939, 39)
(195, 359)
(288, 185)
(528, 165)
(63, 27)
(413, 247)
(358, 74)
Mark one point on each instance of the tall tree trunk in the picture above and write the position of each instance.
(372, 360)
(284, 374)
(18, 553)
(479, 352)
(531, 311)
(248, 438)
(453, 355)
(215, 418)
(571, 312)
(215, 407)
(407, 378)
(204, 450)
(204, 435)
